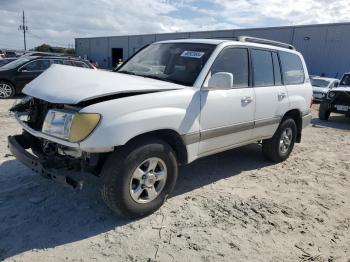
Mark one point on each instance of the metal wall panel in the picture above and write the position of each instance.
(99, 51)
(82, 47)
(277, 34)
(138, 41)
(326, 48)
(163, 37)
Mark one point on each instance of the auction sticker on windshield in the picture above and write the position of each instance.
(192, 54)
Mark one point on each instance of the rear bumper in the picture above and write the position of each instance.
(306, 120)
(18, 145)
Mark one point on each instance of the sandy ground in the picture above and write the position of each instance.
(233, 206)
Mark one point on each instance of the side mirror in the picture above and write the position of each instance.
(220, 81)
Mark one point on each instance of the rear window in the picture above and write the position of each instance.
(292, 69)
(80, 64)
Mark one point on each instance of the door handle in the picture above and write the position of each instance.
(282, 95)
(246, 100)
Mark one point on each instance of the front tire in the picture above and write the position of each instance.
(138, 179)
(7, 90)
(279, 147)
(324, 112)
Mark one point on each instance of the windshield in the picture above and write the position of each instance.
(180, 63)
(320, 82)
(345, 80)
(15, 63)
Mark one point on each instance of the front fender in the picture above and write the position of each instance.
(126, 118)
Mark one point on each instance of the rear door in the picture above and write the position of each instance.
(227, 116)
(271, 95)
(296, 81)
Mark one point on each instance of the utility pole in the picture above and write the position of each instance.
(24, 28)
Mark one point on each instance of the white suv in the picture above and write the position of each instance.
(170, 104)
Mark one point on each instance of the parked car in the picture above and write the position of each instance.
(337, 100)
(16, 74)
(10, 54)
(6, 61)
(321, 86)
(170, 104)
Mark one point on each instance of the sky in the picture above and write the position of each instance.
(59, 22)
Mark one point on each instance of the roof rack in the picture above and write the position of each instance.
(264, 41)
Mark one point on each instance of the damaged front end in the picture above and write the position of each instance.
(59, 160)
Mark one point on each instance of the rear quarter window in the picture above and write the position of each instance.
(292, 69)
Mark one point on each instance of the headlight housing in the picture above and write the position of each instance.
(70, 126)
(331, 94)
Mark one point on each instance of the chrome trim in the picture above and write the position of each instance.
(267, 122)
(191, 138)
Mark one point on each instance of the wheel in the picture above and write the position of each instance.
(6, 90)
(137, 180)
(279, 147)
(324, 111)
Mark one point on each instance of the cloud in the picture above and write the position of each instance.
(59, 22)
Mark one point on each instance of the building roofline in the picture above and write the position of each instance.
(223, 30)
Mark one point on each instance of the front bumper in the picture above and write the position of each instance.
(18, 145)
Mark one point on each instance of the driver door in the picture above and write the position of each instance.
(227, 116)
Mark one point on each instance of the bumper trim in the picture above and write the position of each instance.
(306, 120)
(18, 145)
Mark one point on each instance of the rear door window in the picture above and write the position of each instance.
(262, 68)
(37, 65)
(292, 68)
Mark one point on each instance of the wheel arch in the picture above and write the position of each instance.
(296, 115)
(169, 136)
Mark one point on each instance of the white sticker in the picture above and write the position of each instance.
(192, 54)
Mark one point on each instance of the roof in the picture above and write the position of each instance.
(325, 78)
(198, 41)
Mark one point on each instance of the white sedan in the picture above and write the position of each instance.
(321, 86)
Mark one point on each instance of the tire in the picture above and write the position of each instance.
(7, 90)
(324, 112)
(120, 187)
(271, 148)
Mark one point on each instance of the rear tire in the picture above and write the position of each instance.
(324, 112)
(279, 147)
(134, 184)
(7, 90)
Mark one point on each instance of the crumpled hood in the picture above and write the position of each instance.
(71, 85)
